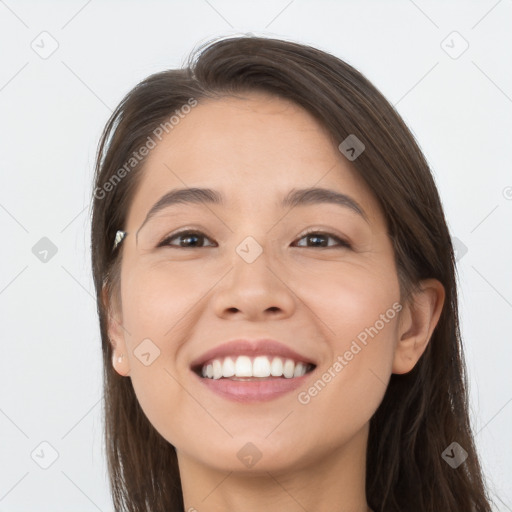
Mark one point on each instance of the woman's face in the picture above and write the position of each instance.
(250, 271)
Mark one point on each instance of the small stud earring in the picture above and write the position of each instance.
(119, 359)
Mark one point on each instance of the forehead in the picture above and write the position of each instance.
(253, 149)
(246, 133)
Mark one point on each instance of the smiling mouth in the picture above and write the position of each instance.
(259, 368)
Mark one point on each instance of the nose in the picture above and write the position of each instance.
(254, 290)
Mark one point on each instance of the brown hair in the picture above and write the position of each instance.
(423, 411)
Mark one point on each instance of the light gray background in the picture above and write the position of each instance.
(53, 110)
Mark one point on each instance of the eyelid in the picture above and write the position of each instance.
(321, 231)
(343, 241)
(183, 231)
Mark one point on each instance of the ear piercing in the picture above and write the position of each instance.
(119, 359)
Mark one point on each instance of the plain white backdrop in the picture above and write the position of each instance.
(64, 68)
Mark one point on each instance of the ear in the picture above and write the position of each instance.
(115, 332)
(418, 320)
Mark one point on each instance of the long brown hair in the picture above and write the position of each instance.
(423, 411)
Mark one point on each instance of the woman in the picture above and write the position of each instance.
(276, 293)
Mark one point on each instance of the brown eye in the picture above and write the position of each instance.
(195, 240)
(192, 240)
(318, 238)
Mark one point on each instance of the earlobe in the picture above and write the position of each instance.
(417, 323)
(115, 335)
(120, 364)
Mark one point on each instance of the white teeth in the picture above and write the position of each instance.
(276, 368)
(288, 368)
(260, 366)
(299, 370)
(217, 369)
(243, 367)
(228, 367)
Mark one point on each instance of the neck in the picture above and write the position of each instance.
(330, 481)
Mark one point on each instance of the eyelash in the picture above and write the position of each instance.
(342, 243)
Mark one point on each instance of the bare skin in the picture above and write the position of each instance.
(314, 299)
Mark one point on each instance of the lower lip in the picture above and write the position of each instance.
(253, 391)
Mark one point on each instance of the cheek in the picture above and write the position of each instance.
(357, 312)
(349, 298)
(155, 298)
(156, 306)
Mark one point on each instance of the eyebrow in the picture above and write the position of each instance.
(296, 197)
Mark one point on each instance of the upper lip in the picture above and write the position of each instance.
(245, 347)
